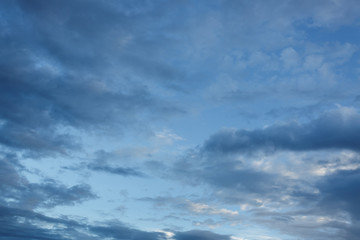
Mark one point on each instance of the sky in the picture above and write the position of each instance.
(179, 120)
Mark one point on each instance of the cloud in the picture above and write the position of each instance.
(202, 208)
(277, 201)
(336, 129)
(32, 108)
(70, 69)
(123, 171)
(55, 81)
(290, 57)
(200, 235)
(340, 192)
(102, 163)
(13, 228)
(75, 71)
(29, 224)
(36, 140)
(190, 206)
(17, 191)
(25, 224)
(284, 176)
(166, 137)
(117, 231)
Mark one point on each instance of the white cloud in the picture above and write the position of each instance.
(169, 235)
(237, 238)
(289, 57)
(167, 137)
(207, 209)
(313, 62)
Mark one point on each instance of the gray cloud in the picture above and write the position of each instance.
(103, 162)
(225, 172)
(301, 207)
(316, 230)
(340, 192)
(17, 191)
(31, 109)
(200, 235)
(191, 207)
(99, 66)
(123, 171)
(223, 163)
(21, 224)
(61, 76)
(74, 70)
(118, 231)
(337, 129)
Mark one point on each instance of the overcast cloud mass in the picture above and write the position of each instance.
(180, 120)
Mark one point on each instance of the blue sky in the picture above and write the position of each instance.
(179, 120)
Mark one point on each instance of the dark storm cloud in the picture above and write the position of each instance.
(17, 191)
(337, 129)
